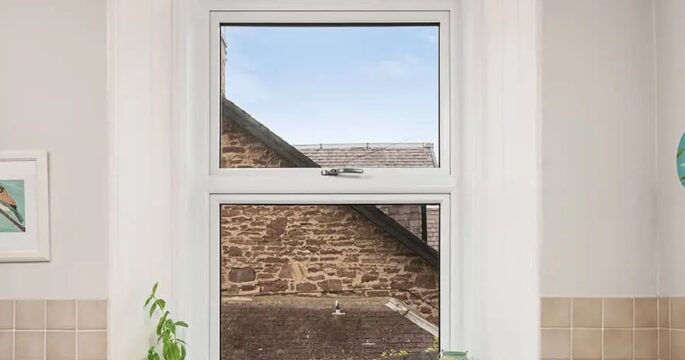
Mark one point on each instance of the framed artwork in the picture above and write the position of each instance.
(24, 206)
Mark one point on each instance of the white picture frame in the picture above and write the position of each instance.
(25, 211)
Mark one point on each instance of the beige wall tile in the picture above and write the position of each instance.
(29, 345)
(646, 314)
(678, 313)
(61, 314)
(664, 312)
(618, 344)
(30, 314)
(587, 313)
(6, 345)
(92, 315)
(555, 312)
(618, 313)
(677, 345)
(555, 344)
(646, 344)
(92, 345)
(61, 345)
(6, 314)
(664, 344)
(587, 344)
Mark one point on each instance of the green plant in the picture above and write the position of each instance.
(435, 346)
(172, 347)
(394, 354)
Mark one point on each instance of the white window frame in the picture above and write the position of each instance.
(446, 83)
(450, 312)
(203, 185)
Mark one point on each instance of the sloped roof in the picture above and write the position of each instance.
(254, 329)
(232, 112)
(371, 155)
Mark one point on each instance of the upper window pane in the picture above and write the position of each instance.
(331, 96)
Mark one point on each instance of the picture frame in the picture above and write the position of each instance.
(24, 206)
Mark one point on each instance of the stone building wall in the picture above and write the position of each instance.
(316, 250)
(241, 150)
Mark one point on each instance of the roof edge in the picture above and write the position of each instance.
(232, 112)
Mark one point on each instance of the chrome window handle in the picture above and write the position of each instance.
(336, 172)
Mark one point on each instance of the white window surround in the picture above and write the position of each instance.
(301, 185)
(159, 125)
(450, 308)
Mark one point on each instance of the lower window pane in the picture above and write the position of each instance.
(329, 281)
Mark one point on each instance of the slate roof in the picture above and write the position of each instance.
(232, 112)
(253, 329)
(371, 155)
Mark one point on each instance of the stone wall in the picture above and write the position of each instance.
(317, 250)
(242, 150)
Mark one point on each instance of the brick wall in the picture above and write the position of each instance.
(433, 226)
(408, 216)
(320, 249)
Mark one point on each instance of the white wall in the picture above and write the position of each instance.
(598, 104)
(670, 15)
(53, 97)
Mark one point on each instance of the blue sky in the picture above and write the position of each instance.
(315, 85)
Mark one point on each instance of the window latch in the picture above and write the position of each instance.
(336, 172)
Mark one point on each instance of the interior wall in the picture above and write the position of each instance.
(671, 109)
(53, 97)
(598, 106)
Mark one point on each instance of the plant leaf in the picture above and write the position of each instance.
(182, 324)
(154, 288)
(153, 308)
(161, 303)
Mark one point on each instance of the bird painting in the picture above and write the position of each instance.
(9, 207)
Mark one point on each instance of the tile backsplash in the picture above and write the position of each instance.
(53, 329)
(612, 328)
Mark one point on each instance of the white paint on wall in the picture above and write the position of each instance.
(53, 97)
(599, 148)
(139, 69)
(671, 125)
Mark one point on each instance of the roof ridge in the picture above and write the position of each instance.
(365, 144)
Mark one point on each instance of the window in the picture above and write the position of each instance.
(342, 95)
(309, 281)
(370, 90)
(280, 104)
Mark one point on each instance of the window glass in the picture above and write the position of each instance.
(330, 96)
(329, 281)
